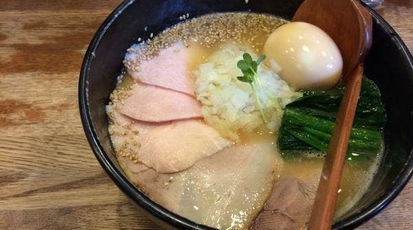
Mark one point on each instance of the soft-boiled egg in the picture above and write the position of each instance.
(308, 57)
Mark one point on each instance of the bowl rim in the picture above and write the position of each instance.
(178, 221)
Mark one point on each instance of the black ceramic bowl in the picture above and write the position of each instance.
(389, 64)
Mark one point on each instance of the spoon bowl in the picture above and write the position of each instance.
(350, 26)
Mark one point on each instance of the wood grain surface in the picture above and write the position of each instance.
(49, 178)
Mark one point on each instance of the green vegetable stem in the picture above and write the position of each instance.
(249, 68)
(308, 123)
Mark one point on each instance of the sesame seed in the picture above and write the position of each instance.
(207, 31)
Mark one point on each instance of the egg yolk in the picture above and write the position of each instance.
(308, 57)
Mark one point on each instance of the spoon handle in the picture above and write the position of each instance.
(325, 201)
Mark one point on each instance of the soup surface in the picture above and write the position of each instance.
(190, 135)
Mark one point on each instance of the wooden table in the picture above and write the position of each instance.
(49, 178)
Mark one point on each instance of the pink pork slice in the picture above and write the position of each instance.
(166, 147)
(154, 104)
(226, 190)
(169, 69)
(289, 205)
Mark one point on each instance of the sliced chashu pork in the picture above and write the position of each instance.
(168, 69)
(230, 188)
(288, 207)
(165, 189)
(167, 147)
(155, 104)
(290, 203)
(225, 190)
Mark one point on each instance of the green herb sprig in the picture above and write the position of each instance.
(249, 68)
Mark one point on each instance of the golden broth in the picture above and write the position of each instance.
(355, 180)
(203, 37)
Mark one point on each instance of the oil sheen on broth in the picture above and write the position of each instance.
(178, 190)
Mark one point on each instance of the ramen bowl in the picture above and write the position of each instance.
(389, 64)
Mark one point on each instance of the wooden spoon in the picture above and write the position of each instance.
(349, 24)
